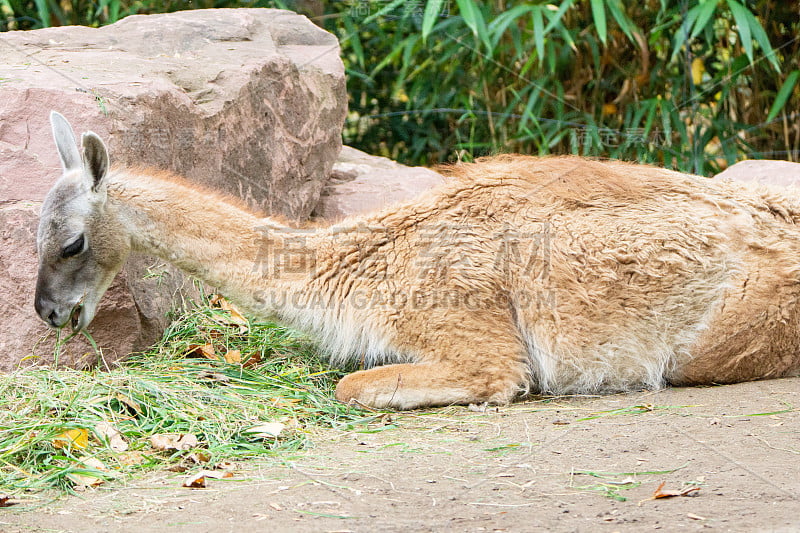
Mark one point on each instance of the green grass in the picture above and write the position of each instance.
(632, 410)
(279, 379)
(611, 489)
(610, 486)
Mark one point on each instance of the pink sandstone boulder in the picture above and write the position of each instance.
(361, 183)
(765, 172)
(247, 101)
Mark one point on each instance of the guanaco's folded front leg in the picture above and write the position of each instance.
(411, 386)
(481, 359)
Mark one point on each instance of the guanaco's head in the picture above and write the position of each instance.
(80, 245)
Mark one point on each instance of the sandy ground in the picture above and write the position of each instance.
(519, 468)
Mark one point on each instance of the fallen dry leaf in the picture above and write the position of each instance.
(202, 350)
(131, 404)
(198, 457)
(81, 481)
(131, 458)
(233, 357)
(266, 430)
(195, 481)
(284, 403)
(77, 438)
(198, 480)
(225, 465)
(252, 360)
(112, 435)
(236, 317)
(213, 376)
(624, 481)
(214, 474)
(659, 493)
(173, 441)
(5, 501)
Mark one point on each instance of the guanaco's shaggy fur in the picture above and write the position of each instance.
(554, 275)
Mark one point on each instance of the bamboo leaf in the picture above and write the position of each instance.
(706, 11)
(696, 20)
(599, 14)
(763, 41)
(355, 40)
(783, 95)
(742, 26)
(538, 31)
(682, 35)
(43, 11)
(556, 18)
(528, 113)
(625, 24)
(500, 24)
(113, 12)
(387, 9)
(432, 10)
(474, 19)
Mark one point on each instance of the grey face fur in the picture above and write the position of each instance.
(80, 243)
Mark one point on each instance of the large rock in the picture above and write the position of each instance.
(249, 101)
(765, 172)
(361, 183)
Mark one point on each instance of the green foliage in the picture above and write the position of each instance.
(689, 85)
(693, 85)
(31, 15)
(278, 379)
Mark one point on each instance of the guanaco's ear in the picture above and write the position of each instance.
(65, 142)
(95, 160)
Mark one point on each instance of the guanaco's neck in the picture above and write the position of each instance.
(210, 238)
(320, 282)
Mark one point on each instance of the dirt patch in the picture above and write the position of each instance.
(575, 464)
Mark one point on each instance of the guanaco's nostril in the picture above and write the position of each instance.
(39, 305)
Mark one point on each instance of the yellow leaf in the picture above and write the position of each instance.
(78, 438)
(698, 69)
(609, 109)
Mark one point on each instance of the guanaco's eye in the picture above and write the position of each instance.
(74, 248)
